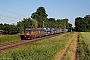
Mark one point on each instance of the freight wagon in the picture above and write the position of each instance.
(31, 33)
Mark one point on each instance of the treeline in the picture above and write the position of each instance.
(41, 16)
(38, 19)
(83, 24)
(9, 29)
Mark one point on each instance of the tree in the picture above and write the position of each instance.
(87, 20)
(34, 23)
(69, 25)
(40, 15)
(6, 28)
(26, 22)
(51, 22)
(10, 29)
(63, 23)
(1, 26)
(81, 24)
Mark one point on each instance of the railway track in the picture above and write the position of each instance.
(9, 45)
(69, 53)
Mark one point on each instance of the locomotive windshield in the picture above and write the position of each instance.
(28, 31)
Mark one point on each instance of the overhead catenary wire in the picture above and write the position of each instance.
(9, 21)
(9, 17)
(4, 20)
(12, 12)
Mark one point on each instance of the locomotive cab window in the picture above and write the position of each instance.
(28, 31)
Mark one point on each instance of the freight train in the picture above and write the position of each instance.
(31, 33)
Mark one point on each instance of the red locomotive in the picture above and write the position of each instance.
(31, 33)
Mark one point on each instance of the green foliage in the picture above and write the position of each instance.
(40, 15)
(26, 22)
(83, 24)
(51, 22)
(69, 25)
(87, 18)
(59, 23)
(39, 19)
(1, 31)
(1, 26)
(10, 29)
(63, 23)
(42, 50)
(9, 38)
(34, 23)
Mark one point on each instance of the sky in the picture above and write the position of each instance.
(13, 11)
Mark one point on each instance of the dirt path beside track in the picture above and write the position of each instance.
(69, 53)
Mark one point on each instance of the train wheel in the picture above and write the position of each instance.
(34, 37)
(31, 38)
(40, 36)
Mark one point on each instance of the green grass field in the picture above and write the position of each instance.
(9, 38)
(86, 35)
(42, 50)
(83, 51)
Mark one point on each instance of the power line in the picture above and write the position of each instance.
(12, 12)
(9, 17)
(6, 19)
